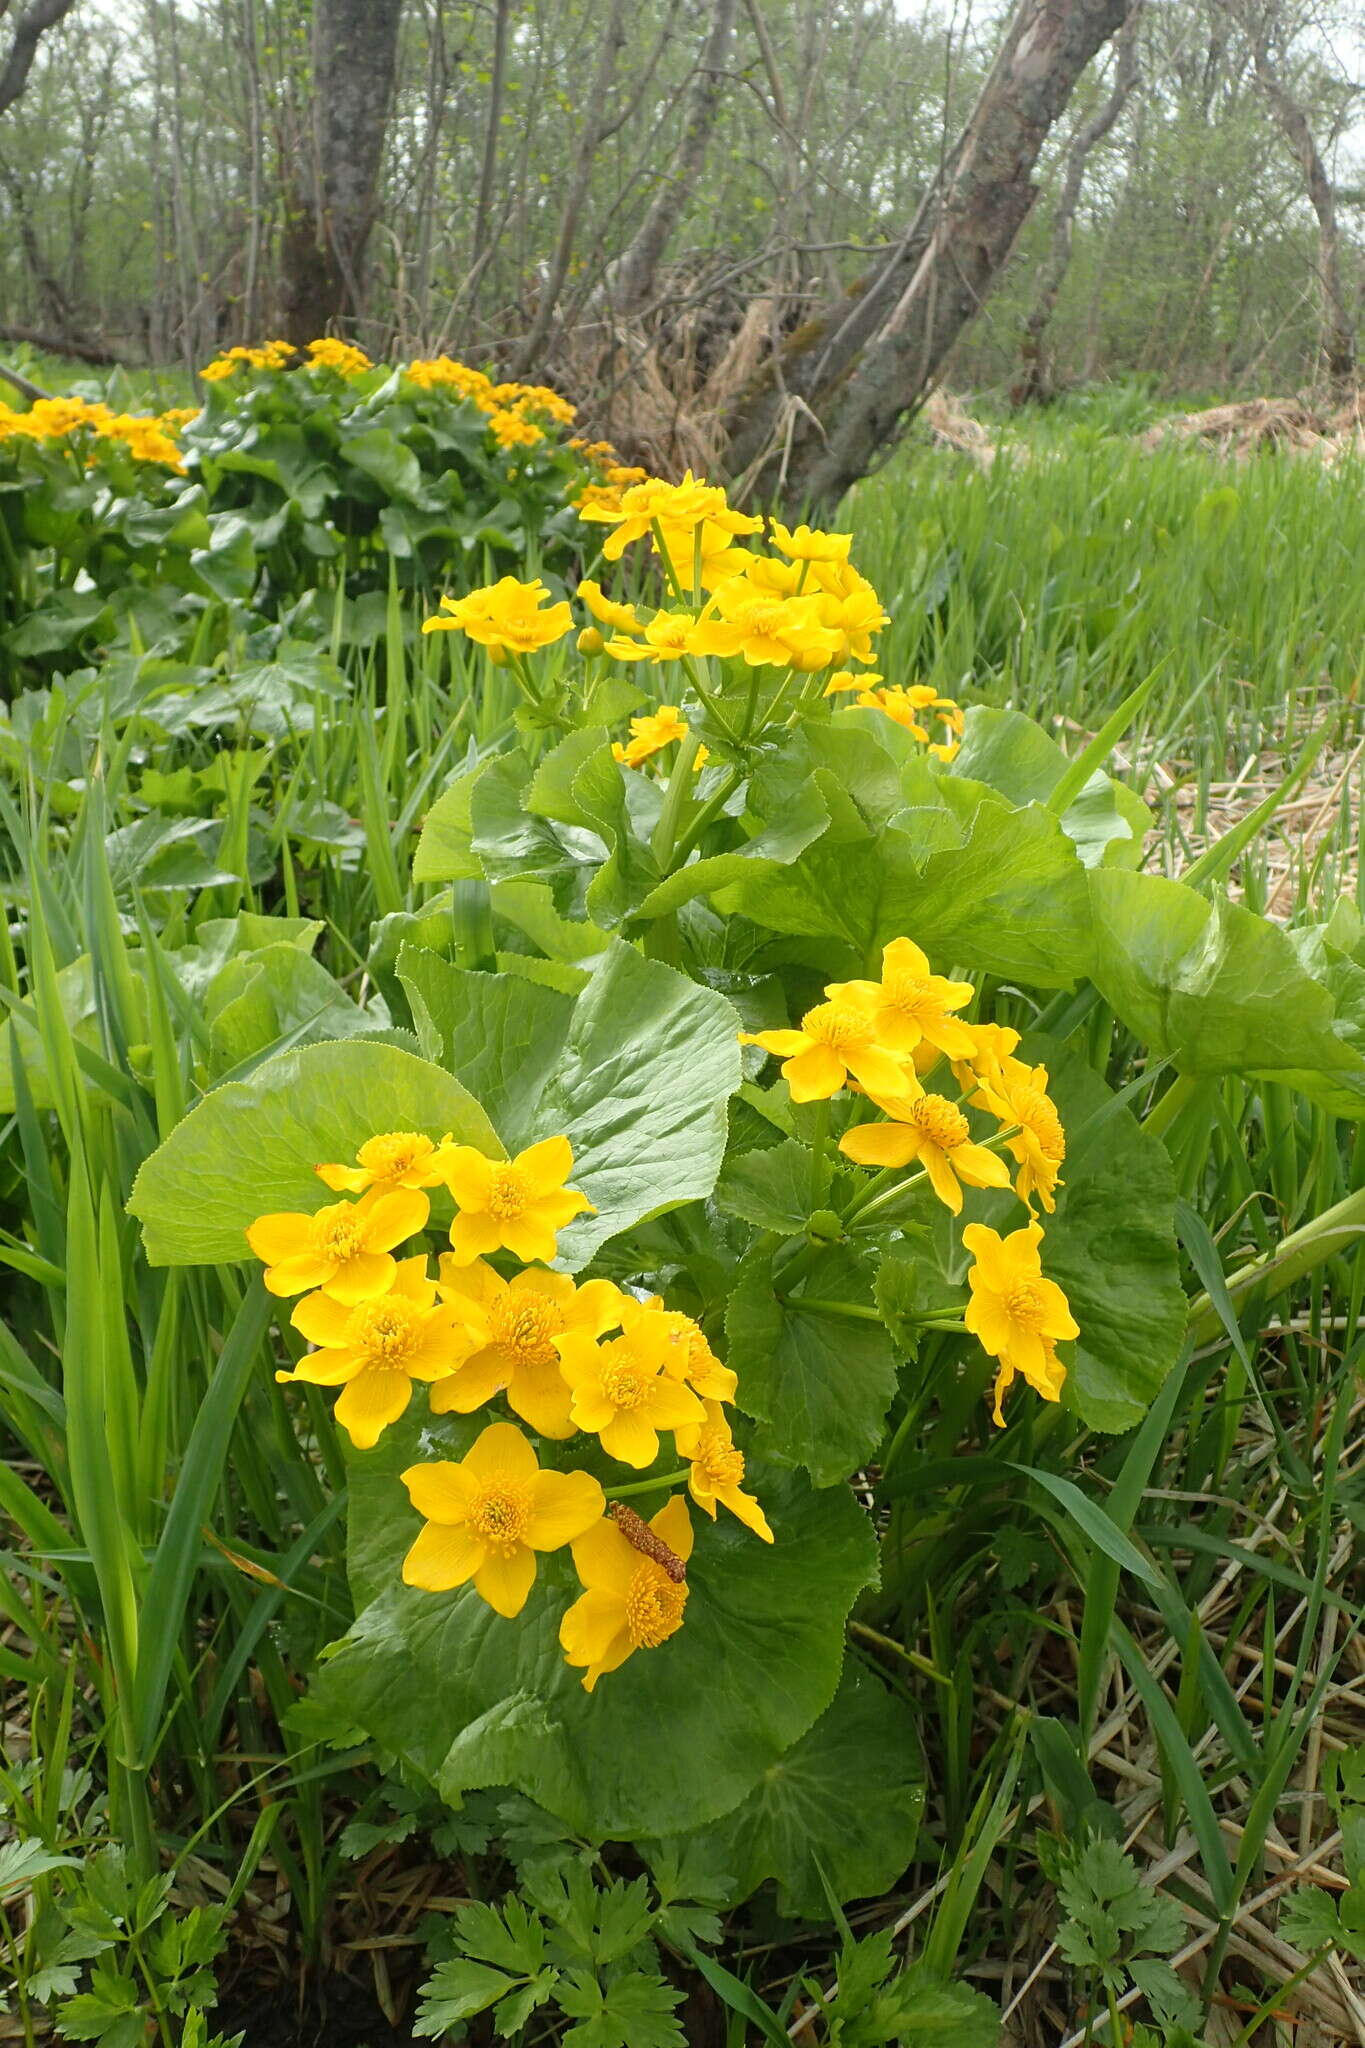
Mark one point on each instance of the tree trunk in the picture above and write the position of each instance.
(29, 30)
(1035, 381)
(841, 394)
(1338, 324)
(355, 52)
(632, 282)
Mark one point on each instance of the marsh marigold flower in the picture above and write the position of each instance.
(1039, 1145)
(836, 1039)
(516, 1204)
(649, 734)
(506, 615)
(510, 1327)
(1016, 1314)
(622, 618)
(375, 1349)
(342, 356)
(932, 1130)
(395, 1159)
(514, 430)
(807, 544)
(622, 1392)
(346, 1248)
(689, 1357)
(667, 637)
(488, 1515)
(766, 631)
(630, 1601)
(909, 1004)
(717, 1471)
(850, 609)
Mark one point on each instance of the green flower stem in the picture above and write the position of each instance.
(676, 798)
(911, 1657)
(882, 1179)
(647, 1485)
(880, 1201)
(852, 1309)
(818, 1151)
(670, 576)
(709, 704)
(705, 817)
(1159, 1119)
(1337, 1229)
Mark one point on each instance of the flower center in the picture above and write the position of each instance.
(338, 1237)
(941, 1123)
(499, 1513)
(508, 1192)
(1024, 1303)
(837, 1025)
(523, 1323)
(672, 632)
(654, 1606)
(398, 1152)
(1038, 1114)
(385, 1331)
(912, 993)
(625, 1386)
(718, 1460)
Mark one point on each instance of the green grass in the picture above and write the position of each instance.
(1188, 1701)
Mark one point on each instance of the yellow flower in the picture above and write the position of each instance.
(626, 473)
(781, 579)
(622, 618)
(991, 1061)
(622, 1392)
(630, 1601)
(806, 544)
(145, 439)
(718, 1471)
(346, 1248)
(934, 1131)
(510, 1328)
(596, 501)
(679, 508)
(1014, 1313)
(844, 679)
(853, 616)
(519, 1203)
(648, 734)
(341, 356)
(513, 430)
(396, 1159)
(505, 614)
(836, 1039)
(443, 372)
(783, 632)
(667, 637)
(488, 1515)
(689, 1357)
(374, 1350)
(910, 1004)
(1039, 1145)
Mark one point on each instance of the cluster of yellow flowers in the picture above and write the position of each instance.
(881, 1038)
(271, 355)
(802, 609)
(147, 437)
(542, 1342)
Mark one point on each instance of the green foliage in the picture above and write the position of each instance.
(1118, 1931)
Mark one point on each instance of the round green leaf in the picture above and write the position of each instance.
(250, 1147)
(674, 1738)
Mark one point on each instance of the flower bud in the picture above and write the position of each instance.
(590, 641)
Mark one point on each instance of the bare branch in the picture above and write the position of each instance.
(29, 30)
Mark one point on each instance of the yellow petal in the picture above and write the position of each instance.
(361, 1278)
(470, 1385)
(350, 1180)
(391, 1217)
(881, 1144)
(278, 1237)
(603, 1559)
(540, 1395)
(812, 1076)
(296, 1275)
(593, 1633)
(746, 1509)
(529, 1237)
(321, 1319)
(564, 1505)
(548, 1164)
(629, 1437)
(504, 1581)
(442, 1558)
(440, 1491)
(370, 1402)
(501, 1450)
(469, 1176)
(674, 1525)
(471, 1236)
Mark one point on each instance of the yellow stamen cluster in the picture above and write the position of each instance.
(565, 1356)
